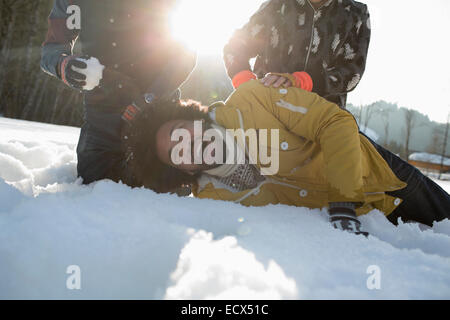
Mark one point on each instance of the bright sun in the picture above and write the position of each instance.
(206, 25)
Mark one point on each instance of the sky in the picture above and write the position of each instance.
(408, 61)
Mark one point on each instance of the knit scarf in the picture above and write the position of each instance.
(239, 177)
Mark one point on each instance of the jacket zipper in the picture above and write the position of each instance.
(312, 31)
(310, 44)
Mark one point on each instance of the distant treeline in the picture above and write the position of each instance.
(402, 130)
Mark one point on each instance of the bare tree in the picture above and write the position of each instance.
(7, 42)
(26, 92)
(370, 110)
(435, 145)
(410, 124)
(358, 114)
(444, 145)
(385, 113)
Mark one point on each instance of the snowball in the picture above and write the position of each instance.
(93, 72)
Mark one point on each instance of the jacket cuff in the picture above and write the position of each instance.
(303, 81)
(348, 205)
(61, 69)
(242, 77)
(341, 210)
(58, 68)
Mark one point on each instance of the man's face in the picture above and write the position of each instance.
(184, 133)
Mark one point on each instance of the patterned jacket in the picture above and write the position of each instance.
(287, 36)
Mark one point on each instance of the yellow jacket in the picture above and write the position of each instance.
(322, 156)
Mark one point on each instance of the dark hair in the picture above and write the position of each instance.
(139, 142)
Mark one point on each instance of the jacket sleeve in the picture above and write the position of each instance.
(336, 131)
(247, 42)
(349, 63)
(60, 40)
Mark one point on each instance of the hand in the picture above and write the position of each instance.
(345, 219)
(276, 81)
(68, 75)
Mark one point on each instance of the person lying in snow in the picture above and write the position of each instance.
(323, 160)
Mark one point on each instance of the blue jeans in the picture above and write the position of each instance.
(423, 200)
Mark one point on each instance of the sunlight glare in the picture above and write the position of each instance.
(207, 25)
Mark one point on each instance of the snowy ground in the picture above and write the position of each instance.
(134, 244)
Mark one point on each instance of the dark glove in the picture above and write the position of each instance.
(343, 217)
(69, 76)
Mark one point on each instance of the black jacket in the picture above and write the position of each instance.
(287, 36)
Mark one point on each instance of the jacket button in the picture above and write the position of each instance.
(303, 193)
(111, 20)
(114, 44)
(284, 145)
(397, 201)
(149, 98)
(283, 91)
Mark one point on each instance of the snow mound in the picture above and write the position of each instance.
(135, 244)
(207, 269)
(36, 156)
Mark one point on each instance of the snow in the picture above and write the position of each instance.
(135, 244)
(428, 157)
(445, 184)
